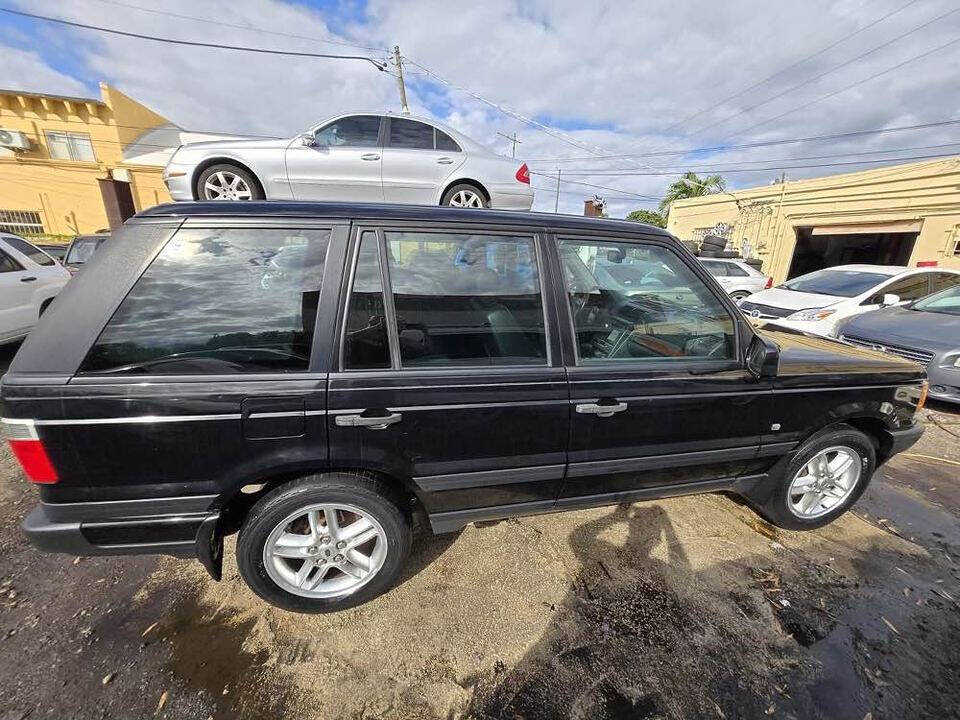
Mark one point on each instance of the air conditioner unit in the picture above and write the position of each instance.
(14, 140)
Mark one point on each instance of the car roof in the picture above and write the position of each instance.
(881, 269)
(388, 211)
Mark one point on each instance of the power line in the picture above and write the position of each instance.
(630, 173)
(192, 43)
(788, 68)
(244, 27)
(849, 87)
(813, 79)
(598, 187)
(719, 166)
(767, 143)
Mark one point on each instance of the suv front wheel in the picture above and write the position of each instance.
(825, 476)
(323, 543)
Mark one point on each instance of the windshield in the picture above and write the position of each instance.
(82, 250)
(946, 301)
(839, 283)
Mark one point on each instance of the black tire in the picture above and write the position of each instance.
(467, 188)
(775, 508)
(709, 253)
(43, 307)
(369, 494)
(713, 242)
(256, 190)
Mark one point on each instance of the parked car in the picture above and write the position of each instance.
(737, 277)
(81, 249)
(358, 158)
(466, 365)
(926, 331)
(29, 280)
(54, 250)
(817, 301)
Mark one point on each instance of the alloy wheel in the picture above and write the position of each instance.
(225, 185)
(325, 551)
(466, 198)
(824, 482)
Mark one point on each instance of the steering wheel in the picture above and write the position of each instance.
(709, 346)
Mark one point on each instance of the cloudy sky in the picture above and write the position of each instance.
(606, 78)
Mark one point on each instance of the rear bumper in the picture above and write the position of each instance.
(514, 196)
(146, 527)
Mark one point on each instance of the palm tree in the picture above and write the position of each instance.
(690, 185)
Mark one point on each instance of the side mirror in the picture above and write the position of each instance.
(763, 357)
(889, 299)
(308, 139)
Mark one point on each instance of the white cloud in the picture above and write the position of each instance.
(27, 71)
(628, 70)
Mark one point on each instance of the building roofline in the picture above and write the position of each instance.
(26, 93)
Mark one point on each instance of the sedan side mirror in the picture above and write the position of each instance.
(308, 139)
(889, 299)
(763, 357)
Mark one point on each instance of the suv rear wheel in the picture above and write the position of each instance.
(823, 479)
(323, 543)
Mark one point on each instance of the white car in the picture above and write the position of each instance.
(29, 280)
(365, 157)
(737, 277)
(818, 301)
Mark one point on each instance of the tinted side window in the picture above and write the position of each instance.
(714, 268)
(365, 342)
(445, 142)
(735, 270)
(219, 301)
(466, 299)
(32, 252)
(8, 264)
(909, 288)
(354, 131)
(410, 134)
(665, 312)
(942, 281)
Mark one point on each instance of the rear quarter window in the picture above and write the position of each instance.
(31, 251)
(219, 301)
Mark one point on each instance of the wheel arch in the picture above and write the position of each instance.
(224, 160)
(465, 181)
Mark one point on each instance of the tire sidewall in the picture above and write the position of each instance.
(256, 193)
(448, 195)
(279, 504)
(777, 509)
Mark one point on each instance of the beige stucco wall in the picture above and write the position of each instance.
(769, 216)
(65, 192)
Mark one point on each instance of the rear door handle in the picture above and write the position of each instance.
(374, 422)
(31, 278)
(370, 156)
(445, 161)
(603, 411)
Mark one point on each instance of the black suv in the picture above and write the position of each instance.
(313, 375)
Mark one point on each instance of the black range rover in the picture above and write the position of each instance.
(312, 375)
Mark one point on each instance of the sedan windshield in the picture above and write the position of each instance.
(82, 250)
(946, 301)
(839, 283)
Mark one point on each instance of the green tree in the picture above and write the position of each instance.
(651, 217)
(690, 185)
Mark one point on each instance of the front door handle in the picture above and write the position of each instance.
(445, 161)
(370, 156)
(603, 411)
(29, 278)
(374, 422)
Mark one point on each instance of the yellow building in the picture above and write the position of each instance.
(896, 215)
(72, 165)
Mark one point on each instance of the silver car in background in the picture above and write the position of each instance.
(737, 277)
(365, 157)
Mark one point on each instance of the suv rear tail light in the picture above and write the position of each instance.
(523, 174)
(769, 283)
(29, 451)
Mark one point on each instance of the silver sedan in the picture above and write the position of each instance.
(358, 158)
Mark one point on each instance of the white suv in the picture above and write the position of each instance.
(29, 280)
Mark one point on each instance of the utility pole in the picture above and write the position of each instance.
(404, 108)
(514, 140)
(556, 203)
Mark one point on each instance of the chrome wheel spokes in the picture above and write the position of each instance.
(826, 480)
(225, 185)
(466, 198)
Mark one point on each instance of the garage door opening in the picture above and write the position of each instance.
(822, 247)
